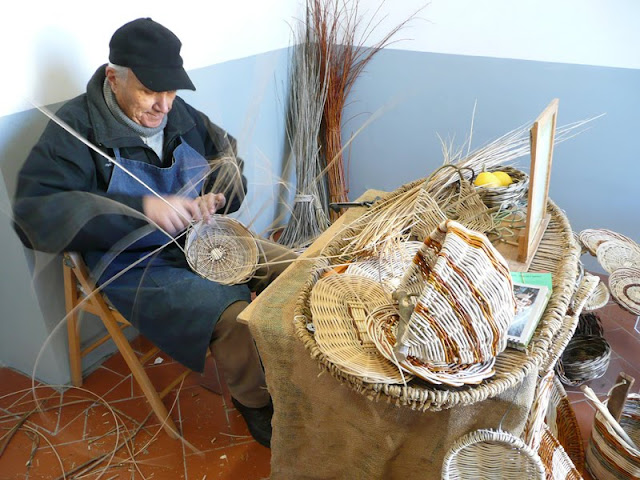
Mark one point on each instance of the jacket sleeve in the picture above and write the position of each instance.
(227, 169)
(58, 204)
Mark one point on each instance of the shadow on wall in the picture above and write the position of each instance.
(34, 298)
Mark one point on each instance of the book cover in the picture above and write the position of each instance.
(531, 301)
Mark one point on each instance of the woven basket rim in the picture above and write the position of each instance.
(542, 347)
(619, 290)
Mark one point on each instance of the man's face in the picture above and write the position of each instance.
(143, 106)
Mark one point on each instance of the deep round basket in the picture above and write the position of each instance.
(585, 358)
(504, 197)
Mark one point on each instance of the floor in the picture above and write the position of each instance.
(76, 426)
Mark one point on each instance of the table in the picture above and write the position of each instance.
(325, 429)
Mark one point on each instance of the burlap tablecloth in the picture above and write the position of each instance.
(323, 429)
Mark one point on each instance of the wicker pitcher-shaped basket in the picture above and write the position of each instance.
(466, 301)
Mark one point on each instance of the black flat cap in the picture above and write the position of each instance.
(152, 52)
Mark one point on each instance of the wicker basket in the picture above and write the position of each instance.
(557, 464)
(608, 455)
(598, 299)
(485, 454)
(615, 254)
(592, 238)
(506, 197)
(465, 304)
(340, 305)
(624, 284)
(222, 250)
(558, 253)
(563, 424)
(585, 358)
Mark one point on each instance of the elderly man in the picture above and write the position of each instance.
(160, 143)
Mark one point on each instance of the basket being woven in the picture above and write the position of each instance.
(222, 250)
(558, 253)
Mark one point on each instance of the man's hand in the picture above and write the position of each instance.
(210, 203)
(174, 215)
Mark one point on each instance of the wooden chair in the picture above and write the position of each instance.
(78, 288)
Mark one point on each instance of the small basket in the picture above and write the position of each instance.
(506, 197)
(222, 250)
(598, 298)
(585, 358)
(608, 455)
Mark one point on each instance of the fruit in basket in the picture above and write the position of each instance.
(486, 179)
(504, 178)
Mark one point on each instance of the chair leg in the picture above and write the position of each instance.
(73, 327)
(75, 359)
(142, 378)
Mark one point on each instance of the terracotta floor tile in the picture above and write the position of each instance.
(625, 344)
(247, 461)
(121, 391)
(13, 461)
(162, 375)
(101, 381)
(116, 364)
(204, 420)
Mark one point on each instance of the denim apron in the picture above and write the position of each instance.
(173, 307)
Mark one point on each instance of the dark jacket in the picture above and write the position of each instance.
(60, 163)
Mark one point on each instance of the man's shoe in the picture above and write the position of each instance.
(258, 420)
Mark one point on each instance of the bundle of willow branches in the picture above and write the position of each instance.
(341, 36)
(304, 117)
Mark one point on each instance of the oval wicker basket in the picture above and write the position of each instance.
(491, 454)
(585, 358)
(222, 250)
(558, 253)
(624, 284)
(510, 196)
(598, 299)
(609, 457)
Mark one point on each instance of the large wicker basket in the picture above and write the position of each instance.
(558, 253)
(608, 455)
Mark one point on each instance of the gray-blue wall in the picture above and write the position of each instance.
(595, 176)
(244, 96)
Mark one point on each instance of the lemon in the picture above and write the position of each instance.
(504, 178)
(486, 179)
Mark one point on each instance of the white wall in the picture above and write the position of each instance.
(38, 36)
(589, 32)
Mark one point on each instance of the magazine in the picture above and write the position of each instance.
(531, 301)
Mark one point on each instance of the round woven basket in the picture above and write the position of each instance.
(615, 254)
(585, 358)
(558, 253)
(624, 284)
(505, 197)
(222, 250)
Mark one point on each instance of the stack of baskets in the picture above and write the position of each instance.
(620, 256)
(450, 336)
